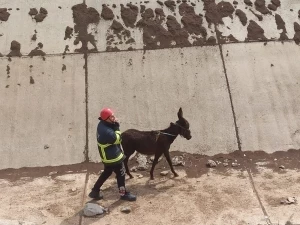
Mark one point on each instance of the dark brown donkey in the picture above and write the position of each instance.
(154, 142)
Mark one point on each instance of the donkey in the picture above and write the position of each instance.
(154, 142)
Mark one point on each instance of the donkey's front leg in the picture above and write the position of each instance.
(167, 155)
(155, 161)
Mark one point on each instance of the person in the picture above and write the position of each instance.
(111, 154)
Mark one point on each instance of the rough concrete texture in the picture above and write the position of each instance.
(265, 88)
(42, 116)
(146, 90)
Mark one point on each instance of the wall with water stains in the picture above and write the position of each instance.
(231, 65)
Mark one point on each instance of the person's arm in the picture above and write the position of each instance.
(113, 137)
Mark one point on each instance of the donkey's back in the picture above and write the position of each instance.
(141, 141)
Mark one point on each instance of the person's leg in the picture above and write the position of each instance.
(120, 172)
(95, 193)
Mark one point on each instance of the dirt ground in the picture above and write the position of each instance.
(250, 192)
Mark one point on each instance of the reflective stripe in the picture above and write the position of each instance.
(114, 160)
(118, 140)
(104, 159)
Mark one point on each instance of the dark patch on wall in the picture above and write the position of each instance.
(142, 9)
(248, 2)
(242, 16)
(33, 38)
(107, 13)
(7, 71)
(15, 49)
(215, 12)
(129, 14)
(37, 51)
(38, 16)
(281, 25)
(68, 33)
(31, 80)
(83, 16)
(160, 3)
(191, 21)
(260, 5)
(255, 32)
(4, 15)
(297, 33)
(119, 35)
(171, 5)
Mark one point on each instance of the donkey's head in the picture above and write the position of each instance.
(183, 126)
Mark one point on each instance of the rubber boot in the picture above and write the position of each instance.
(128, 197)
(95, 195)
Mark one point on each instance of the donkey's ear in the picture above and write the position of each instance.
(179, 114)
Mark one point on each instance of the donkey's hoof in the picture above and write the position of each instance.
(151, 178)
(131, 177)
(176, 175)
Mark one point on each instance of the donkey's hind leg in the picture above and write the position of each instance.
(155, 161)
(167, 155)
(128, 154)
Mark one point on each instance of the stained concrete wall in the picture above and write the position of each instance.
(21, 27)
(50, 103)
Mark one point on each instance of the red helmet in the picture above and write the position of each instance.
(106, 113)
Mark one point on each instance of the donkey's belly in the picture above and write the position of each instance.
(146, 151)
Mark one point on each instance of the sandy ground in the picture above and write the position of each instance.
(234, 195)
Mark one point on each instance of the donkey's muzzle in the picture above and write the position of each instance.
(189, 137)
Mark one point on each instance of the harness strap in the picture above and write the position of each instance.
(159, 132)
(168, 134)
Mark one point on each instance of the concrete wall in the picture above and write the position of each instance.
(42, 111)
(50, 103)
(265, 85)
(146, 90)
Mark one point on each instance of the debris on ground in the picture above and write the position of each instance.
(52, 173)
(151, 159)
(92, 209)
(288, 201)
(142, 162)
(178, 161)
(234, 164)
(140, 176)
(225, 164)
(126, 209)
(211, 163)
(16, 222)
(74, 189)
(282, 167)
(164, 173)
(133, 169)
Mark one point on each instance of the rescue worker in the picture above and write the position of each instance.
(111, 154)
